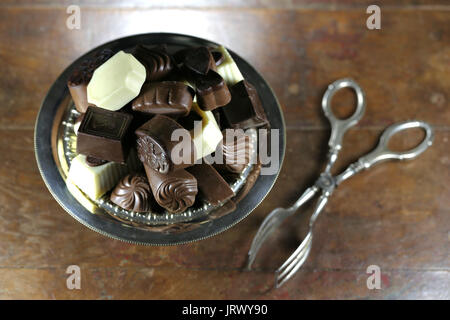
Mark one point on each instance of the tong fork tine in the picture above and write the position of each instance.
(273, 220)
(296, 260)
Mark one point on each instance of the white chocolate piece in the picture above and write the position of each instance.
(116, 82)
(95, 181)
(80, 196)
(228, 69)
(206, 139)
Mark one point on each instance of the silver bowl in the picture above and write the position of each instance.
(53, 159)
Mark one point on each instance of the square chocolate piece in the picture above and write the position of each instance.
(245, 109)
(104, 134)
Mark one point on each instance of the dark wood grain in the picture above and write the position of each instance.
(180, 283)
(329, 5)
(394, 216)
(318, 47)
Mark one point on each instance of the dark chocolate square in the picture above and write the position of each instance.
(105, 123)
(245, 109)
(103, 134)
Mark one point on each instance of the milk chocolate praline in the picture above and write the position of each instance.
(212, 91)
(133, 193)
(167, 97)
(156, 147)
(174, 191)
(158, 63)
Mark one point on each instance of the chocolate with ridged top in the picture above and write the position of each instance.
(156, 148)
(156, 60)
(212, 91)
(213, 188)
(245, 109)
(133, 193)
(166, 97)
(174, 191)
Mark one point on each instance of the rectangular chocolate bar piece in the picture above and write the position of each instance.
(212, 187)
(166, 97)
(157, 148)
(103, 134)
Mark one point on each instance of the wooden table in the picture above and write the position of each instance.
(395, 216)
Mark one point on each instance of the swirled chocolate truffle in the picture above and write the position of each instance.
(174, 191)
(133, 193)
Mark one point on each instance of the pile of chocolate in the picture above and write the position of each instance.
(132, 102)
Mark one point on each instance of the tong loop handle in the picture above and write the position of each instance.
(382, 151)
(338, 126)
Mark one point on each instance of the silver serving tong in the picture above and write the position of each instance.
(327, 183)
